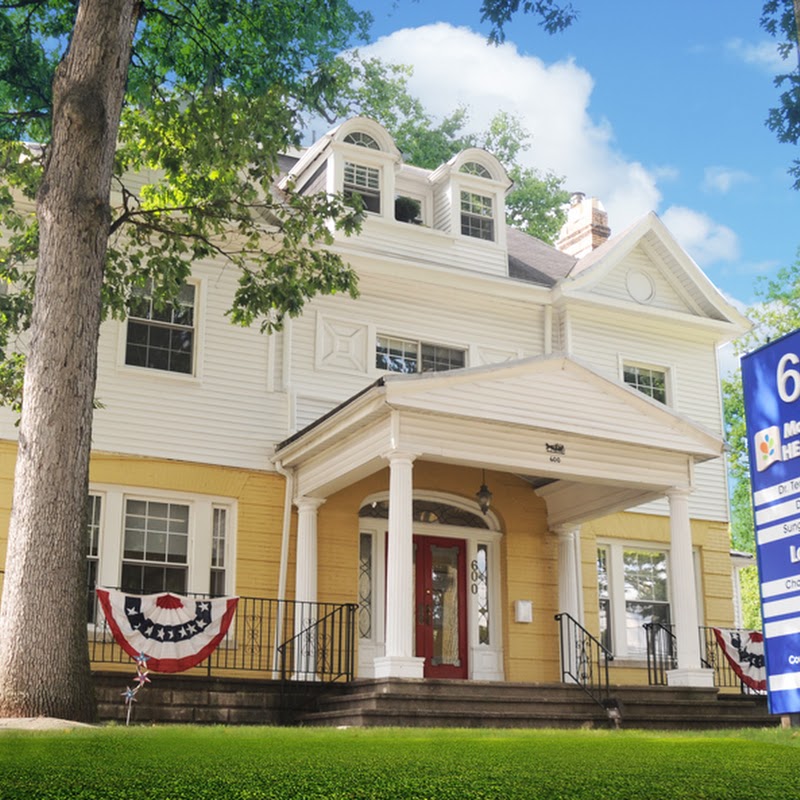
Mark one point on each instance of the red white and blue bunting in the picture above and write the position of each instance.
(745, 653)
(175, 633)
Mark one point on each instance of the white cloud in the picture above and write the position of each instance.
(455, 66)
(706, 241)
(722, 179)
(763, 54)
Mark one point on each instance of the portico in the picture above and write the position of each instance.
(587, 446)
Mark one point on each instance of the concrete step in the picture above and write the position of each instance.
(414, 703)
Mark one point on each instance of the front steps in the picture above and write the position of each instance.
(471, 704)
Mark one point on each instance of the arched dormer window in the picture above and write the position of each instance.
(474, 168)
(361, 139)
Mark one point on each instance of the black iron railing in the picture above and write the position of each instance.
(262, 633)
(323, 646)
(714, 657)
(661, 656)
(268, 638)
(661, 652)
(584, 659)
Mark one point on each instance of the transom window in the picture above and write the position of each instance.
(477, 217)
(156, 547)
(647, 380)
(474, 168)
(365, 182)
(161, 336)
(429, 511)
(361, 139)
(409, 356)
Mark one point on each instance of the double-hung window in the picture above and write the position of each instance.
(161, 336)
(410, 355)
(156, 547)
(632, 589)
(477, 216)
(364, 181)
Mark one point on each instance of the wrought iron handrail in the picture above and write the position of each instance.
(315, 653)
(661, 649)
(584, 659)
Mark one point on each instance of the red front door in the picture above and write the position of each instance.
(441, 611)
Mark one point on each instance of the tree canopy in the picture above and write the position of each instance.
(199, 99)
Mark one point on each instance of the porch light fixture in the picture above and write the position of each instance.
(483, 495)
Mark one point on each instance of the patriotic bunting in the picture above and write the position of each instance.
(175, 633)
(745, 653)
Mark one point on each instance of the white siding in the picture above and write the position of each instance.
(638, 264)
(398, 306)
(222, 416)
(607, 340)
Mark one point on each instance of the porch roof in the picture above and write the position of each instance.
(593, 445)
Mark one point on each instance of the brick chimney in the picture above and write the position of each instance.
(586, 227)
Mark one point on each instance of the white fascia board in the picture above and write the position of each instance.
(400, 391)
(723, 330)
(339, 422)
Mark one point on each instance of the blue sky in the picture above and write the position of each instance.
(648, 106)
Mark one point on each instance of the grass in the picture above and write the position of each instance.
(221, 763)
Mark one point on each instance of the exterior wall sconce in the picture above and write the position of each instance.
(483, 495)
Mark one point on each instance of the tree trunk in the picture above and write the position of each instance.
(44, 664)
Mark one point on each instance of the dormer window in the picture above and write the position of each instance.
(474, 168)
(477, 216)
(365, 182)
(361, 139)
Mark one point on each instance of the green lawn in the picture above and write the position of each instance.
(221, 763)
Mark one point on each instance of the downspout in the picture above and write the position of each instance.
(548, 330)
(283, 571)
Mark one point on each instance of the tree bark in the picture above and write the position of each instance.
(44, 664)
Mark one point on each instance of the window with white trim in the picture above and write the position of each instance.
(155, 554)
(364, 181)
(651, 381)
(366, 579)
(161, 336)
(93, 511)
(410, 355)
(477, 216)
(361, 139)
(219, 534)
(633, 589)
(474, 168)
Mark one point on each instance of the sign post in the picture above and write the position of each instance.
(771, 383)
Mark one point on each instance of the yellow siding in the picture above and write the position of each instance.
(528, 551)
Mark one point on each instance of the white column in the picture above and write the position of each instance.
(569, 571)
(305, 591)
(684, 596)
(399, 661)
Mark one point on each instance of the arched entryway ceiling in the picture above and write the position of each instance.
(598, 445)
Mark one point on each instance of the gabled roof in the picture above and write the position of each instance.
(598, 444)
(674, 264)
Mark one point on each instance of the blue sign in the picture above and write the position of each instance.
(771, 382)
